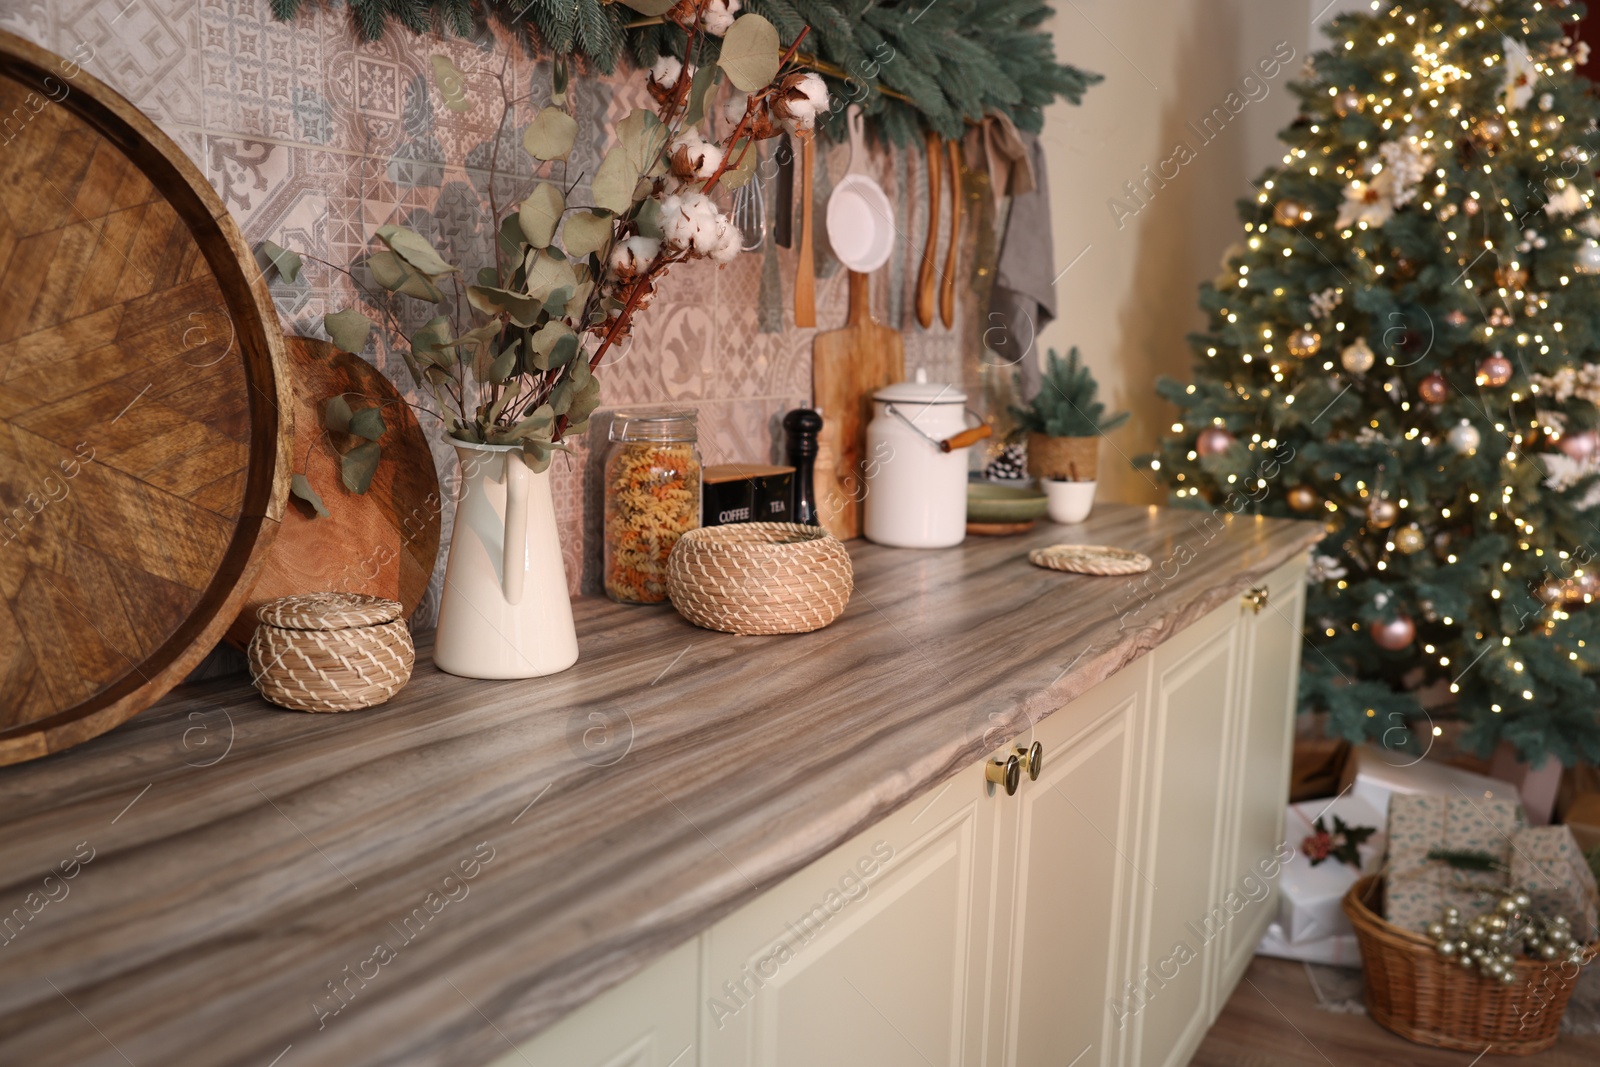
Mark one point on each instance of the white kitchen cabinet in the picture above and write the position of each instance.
(875, 954)
(647, 1021)
(1066, 874)
(1098, 917)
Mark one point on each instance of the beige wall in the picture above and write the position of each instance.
(1131, 299)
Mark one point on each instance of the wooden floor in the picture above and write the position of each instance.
(1272, 1021)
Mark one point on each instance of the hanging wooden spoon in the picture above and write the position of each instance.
(931, 249)
(947, 285)
(805, 281)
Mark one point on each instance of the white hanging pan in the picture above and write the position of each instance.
(860, 220)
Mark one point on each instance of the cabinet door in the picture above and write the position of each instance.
(647, 1021)
(874, 956)
(1063, 926)
(1269, 678)
(1166, 996)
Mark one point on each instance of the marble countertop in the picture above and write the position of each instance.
(182, 890)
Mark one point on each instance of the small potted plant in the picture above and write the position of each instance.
(1064, 423)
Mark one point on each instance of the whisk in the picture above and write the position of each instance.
(750, 206)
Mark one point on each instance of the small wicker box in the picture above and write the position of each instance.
(330, 651)
(760, 577)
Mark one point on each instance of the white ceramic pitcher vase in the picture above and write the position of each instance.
(505, 611)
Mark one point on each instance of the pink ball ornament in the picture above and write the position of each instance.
(1394, 634)
(1213, 441)
(1580, 446)
(1494, 371)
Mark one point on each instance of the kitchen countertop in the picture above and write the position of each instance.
(217, 863)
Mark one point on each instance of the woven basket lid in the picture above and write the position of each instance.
(328, 611)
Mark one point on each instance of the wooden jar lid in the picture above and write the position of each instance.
(328, 611)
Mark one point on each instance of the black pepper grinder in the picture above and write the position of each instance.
(801, 427)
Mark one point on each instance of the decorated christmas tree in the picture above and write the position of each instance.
(1406, 347)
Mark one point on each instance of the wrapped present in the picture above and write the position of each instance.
(1546, 861)
(1418, 888)
(1335, 842)
(1339, 950)
(1375, 774)
(1583, 819)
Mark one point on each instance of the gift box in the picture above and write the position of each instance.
(1547, 863)
(1339, 950)
(1417, 888)
(1375, 774)
(1583, 819)
(1308, 906)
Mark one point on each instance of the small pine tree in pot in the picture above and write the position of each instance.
(1064, 422)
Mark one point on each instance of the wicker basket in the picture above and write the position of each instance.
(330, 651)
(760, 578)
(1063, 459)
(1427, 998)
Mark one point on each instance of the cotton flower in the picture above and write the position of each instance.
(1324, 302)
(693, 156)
(1521, 73)
(633, 257)
(729, 241)
(719, 15)
(799, 99)
(761, 125)
(689, 222)
(664, 75)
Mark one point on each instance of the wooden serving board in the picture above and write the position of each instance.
(382, 542)
(847, 366)
(143, 410)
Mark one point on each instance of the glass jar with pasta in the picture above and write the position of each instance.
(652, 498)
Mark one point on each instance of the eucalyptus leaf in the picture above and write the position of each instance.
(368, 423)
(488, 276)
(555, 305)
(538, 425)
(357, 466)
(522, 308)
(415, 250)
(740, 174)
(613, 184)
(336, 414)
(432, 342)
(642, 136)
(503, 367)
(452, 83)
(648, 219)
(300, 486)
(576, 401)
(546, 275)
(540, 214)
(751, 53)
(287, 262)
(538, 454)
(348, 329)
(704, 79)
(553, 345)
(511, 239)
(551, 134)
(586, 232)
(398, 276)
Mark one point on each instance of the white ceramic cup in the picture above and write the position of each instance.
(1069, 502)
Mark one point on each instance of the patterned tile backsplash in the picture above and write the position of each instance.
(314, 139)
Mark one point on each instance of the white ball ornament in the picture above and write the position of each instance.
(1587, 257)
(1357, 358)
(1464, 438)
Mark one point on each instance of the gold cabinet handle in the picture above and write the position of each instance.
(1032, 759)
(1256, 598)
(1004, 772)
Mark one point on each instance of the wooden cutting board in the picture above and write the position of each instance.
(847, 367)
(382, 542)
(144, 410)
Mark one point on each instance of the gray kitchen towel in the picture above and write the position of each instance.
(1024, 298)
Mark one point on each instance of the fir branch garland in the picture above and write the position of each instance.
(911, 65)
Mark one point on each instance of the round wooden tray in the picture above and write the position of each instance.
(144, 411)
(382, 542)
